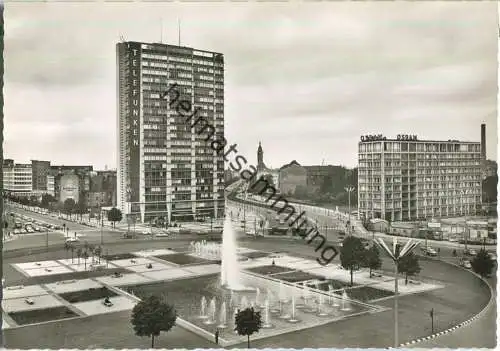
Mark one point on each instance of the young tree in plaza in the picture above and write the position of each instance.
(372, 259)
(247, 322)
(114, 215)
(151, 316)
(482, 264)
(352, 254)
(409, 266)
(69, 206)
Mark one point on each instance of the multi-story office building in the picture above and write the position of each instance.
(166, 170)
(407, 179)
(17, 178)
(40, 170)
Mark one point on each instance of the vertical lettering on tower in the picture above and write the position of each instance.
(134, 50)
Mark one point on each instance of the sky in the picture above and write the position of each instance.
(306, 80)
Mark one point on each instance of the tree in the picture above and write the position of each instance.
(85, 256)
(409, 266)
(482, 264)
(352, 254)
(69, 206)
(247, 322)
(372, 259)
(490, 189)
(152, 316)
(98, 253)
(47, 199)
(114, 215)
(79, 253)
(67, 247)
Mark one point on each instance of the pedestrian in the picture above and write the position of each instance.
(273, 263)
(217, 336)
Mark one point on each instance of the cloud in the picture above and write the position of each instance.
(307, 79)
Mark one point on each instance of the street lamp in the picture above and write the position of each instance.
(396, 253)
(349, 190)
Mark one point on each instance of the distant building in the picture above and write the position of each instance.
(318, 175)
(40, 171)
(262, 169)
(17, 178)
(102, 189)
(292, 176)
(69, 188)
(490, 169)
(407, 179)
(82, 174)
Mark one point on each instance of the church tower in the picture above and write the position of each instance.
(260, 158)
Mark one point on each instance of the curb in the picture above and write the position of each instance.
(462, 324)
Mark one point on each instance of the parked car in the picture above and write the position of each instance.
(72, 240)
(492, 255)
(470, 252)
(430, 252)
(465, 264)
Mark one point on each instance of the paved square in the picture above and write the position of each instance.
(203, 270)
(155, 266)
(40, 302)
(39, 264)
(72, 285)
(120, 303)
(169, 274)
(132, 262)
(37, 272)
(154, 252)
(15, 292)
(125, 279)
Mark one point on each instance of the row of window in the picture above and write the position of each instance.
(418, 147)
(420, 156)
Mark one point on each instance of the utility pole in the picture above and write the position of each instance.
(349, 190)
(396, 253)
(431, 313)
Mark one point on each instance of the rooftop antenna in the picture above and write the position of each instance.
(122, 39)
(161, 30)
(179, 30)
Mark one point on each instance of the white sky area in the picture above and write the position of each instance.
(307, 80)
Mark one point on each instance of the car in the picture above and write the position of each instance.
(430, 252)
(17, 231)
(145, 232)
(29, 301)
(162, 234)
(72, 240)
(492, 255)
(57, 227)
(470, 252)
(466, 264)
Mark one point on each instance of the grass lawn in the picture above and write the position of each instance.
(255, 254)
(270, 269)
(336, 284)
(365, 293)
(297, 276)
(42, 315)
(88, 295)
(183, 259)
(122, 256)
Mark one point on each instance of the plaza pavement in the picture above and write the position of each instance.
(468, 298)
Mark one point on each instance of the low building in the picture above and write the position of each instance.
(17, 178)
(291, 176)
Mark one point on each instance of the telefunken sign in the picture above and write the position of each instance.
(134, 119)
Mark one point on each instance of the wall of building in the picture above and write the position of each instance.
(412, 180)
(290, 177)
(69, 188)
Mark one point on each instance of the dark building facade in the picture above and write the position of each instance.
(40, 171)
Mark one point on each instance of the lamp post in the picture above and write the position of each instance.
(349, 190)
(396, 253)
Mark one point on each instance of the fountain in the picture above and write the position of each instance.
(267, 316)
(293, 318)
(230, 270)
(211, 312)
(222, 316)
(346, 305)
(321, 311)
(244, 302)
(333, 299)
(257, 298)
(203, 311)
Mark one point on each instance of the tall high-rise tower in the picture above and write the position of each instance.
(166, 170)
